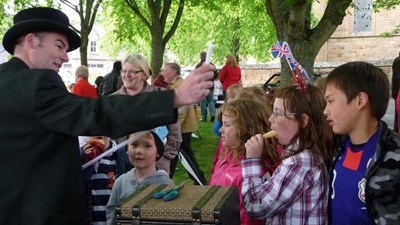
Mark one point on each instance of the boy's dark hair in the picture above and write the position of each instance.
(355, 77)
(159, 145)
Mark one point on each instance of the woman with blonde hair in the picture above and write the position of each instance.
(230, 73)
(135, 73)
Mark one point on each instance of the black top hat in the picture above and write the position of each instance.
(40, 19)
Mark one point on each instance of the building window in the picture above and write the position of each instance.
(93, 46)
(100, 66)
(67, 65)
(362, 16)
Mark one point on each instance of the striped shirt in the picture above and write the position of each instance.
(100, 186)
(296, 193)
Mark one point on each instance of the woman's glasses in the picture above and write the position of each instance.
(130, 72)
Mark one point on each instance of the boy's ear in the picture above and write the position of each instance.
(362, 99)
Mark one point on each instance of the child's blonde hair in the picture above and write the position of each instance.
(250, 118)
(233, 91)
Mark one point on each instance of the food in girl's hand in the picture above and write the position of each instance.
(269, 134)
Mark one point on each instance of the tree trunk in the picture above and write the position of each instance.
(157, 53)
(293, 25)
(83, 49)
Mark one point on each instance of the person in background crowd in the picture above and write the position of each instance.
(365, 177)
(159, 82)
(40, 120)
(320, 83)
(143, 154)
(99, 177)
(98, 82)
(112, 81)
(209, 100)
(135, 73)
(395, 87)
(231, 93)
(70, 86)
(230, 73)
(82, 86)
(297, 191)
(187, 118)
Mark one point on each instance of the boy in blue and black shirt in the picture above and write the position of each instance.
(365, 176)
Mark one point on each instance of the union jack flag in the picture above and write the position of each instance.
(282, 50)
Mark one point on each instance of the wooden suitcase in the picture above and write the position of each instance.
(195, 205)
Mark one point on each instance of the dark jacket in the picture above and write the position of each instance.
(382, 193)
(111, 82)
(39, 154)
(395, 77)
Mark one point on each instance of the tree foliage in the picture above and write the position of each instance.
(159, 18)
(388, 5)
(86, 10)
(10, 8)
(237, 27)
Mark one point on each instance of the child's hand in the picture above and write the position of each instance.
(254, 146)
(88, 148)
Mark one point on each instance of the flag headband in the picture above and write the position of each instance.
(300, 76)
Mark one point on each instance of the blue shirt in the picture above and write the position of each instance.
(348, 195)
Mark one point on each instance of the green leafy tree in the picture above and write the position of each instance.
(388, 5)
(237, 27)
(159, 18)
(293, 22)
(87, 11)
(10, 8)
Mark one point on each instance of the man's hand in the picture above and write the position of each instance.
(195, 87)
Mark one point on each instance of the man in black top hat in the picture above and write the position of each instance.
(40, 120)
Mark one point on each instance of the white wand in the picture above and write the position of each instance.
(209, 53)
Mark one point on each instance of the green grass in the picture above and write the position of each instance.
(203, 148)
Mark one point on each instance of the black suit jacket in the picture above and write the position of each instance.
(39, 155)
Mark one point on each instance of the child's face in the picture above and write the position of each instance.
(228, 131)
(286, 127)
(143, 152)
(341, 115)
